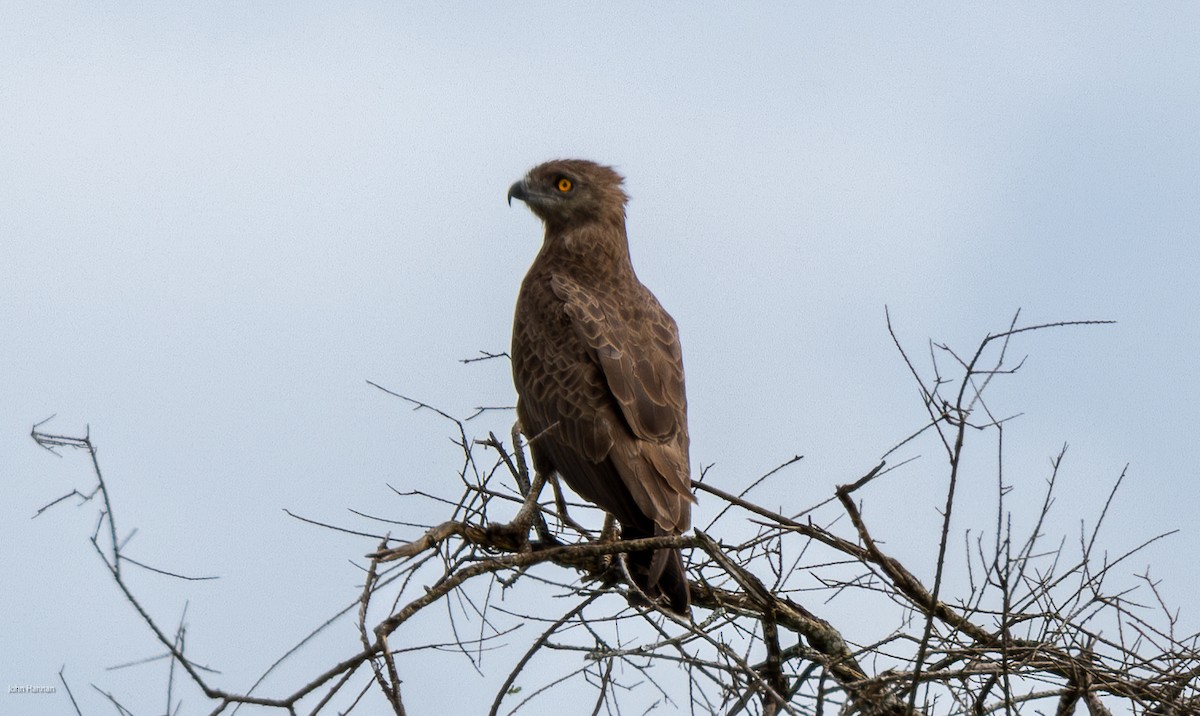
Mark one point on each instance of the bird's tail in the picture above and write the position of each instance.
(660, 575)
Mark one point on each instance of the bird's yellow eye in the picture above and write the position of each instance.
(564, 184)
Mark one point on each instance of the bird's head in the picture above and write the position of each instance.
(571, 191)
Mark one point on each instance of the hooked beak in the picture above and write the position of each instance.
(520, 190)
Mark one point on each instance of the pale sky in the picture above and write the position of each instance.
(219, 220)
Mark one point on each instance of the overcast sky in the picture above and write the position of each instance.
(219, 220)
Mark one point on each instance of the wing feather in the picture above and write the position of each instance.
(641, 359)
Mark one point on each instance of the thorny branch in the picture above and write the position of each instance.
(1038, 627)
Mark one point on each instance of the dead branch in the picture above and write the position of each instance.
(1039, 626)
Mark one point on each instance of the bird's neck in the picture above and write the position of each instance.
(598, 249)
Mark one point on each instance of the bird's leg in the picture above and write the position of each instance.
(608, 533)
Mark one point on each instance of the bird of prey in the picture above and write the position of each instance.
(599, 372)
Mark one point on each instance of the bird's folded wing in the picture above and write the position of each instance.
(642, 361)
